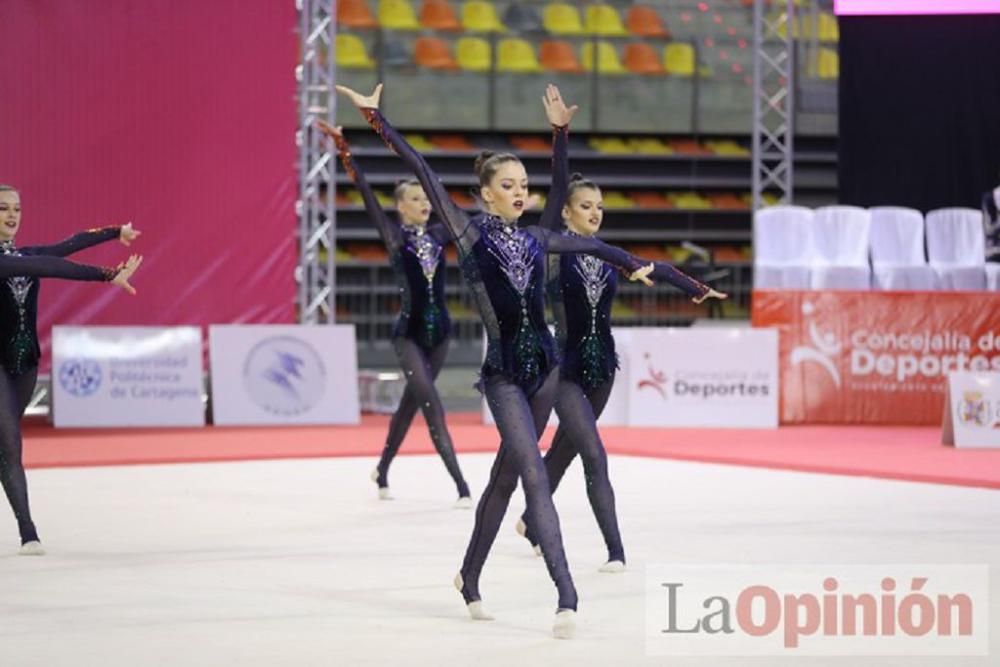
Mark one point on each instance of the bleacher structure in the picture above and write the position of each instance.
(666, 95)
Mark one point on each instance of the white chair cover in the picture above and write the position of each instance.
(993, 276)
(897, 250)
(782, 247)
(840, 248)
(955, 248)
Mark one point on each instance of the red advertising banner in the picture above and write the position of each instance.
(179, 116)
(876, 357)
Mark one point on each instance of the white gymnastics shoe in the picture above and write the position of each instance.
(383, 491)
(33, 548)
(463, 503)
(612, 567)
(564, 626)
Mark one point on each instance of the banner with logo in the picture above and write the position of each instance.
(725, 377)
(284, 374)
(972, 410)
(127, 376)
(876, 357)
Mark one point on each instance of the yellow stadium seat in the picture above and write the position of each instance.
(478, 16)
(420, 143)
(397, 15)
(649, 146)
(351, 54)
(689, 200)
(726, 147)
(678, 59)
(473, 54)
(828, 29)
(561, 18)
(516, 55)
(604, 20)
(615, 199)
(610, 145)
(607, 58)
(829, 64)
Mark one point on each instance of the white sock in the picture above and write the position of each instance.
(612, 567)
(564, 626)
(463, 503)
(475, 608)
(33, 548)
(383, 491)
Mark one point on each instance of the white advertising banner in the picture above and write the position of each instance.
(702, 377)
(127, 376)
(284, 374)
(972, 410)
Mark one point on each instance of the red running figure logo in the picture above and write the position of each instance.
(657, 379)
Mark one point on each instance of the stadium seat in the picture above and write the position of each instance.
(839, 259)
(397, 15)
(433, 53)
(690, 200)
(828, 29)
(828, 64)
(641, 58)
(451, 142)
(355, 14)
(726, 147)
(649, 146)
(897, 250)
(607, 58)
(678, 59)
(610, 145)
(559, 56)
(955, 249)
(516, 55)
(438, 15)
(531, 143)
(479, 16)
(688, 147)
(395, 53)
(473, 54)
(562, 19)
(604, 20)
(351, 53)
(523, 19)
(647, 199)
(419, 143)
(645, 22)
(615, 199)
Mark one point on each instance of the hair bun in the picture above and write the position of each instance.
(481, 160)
(576, 176)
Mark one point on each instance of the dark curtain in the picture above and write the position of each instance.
(919, 110)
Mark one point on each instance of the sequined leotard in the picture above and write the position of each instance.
(503, 266)
(20, 270)
(421, 333)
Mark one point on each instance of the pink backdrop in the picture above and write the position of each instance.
(179, 116)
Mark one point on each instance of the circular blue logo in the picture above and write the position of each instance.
(284, 375)
(80, 377)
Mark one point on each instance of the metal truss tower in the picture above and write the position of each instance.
(316, 208)
(773, 100)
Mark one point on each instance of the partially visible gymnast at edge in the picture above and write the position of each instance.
(581, 291)
(503, 265)
(20, 269)
(421, 334)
